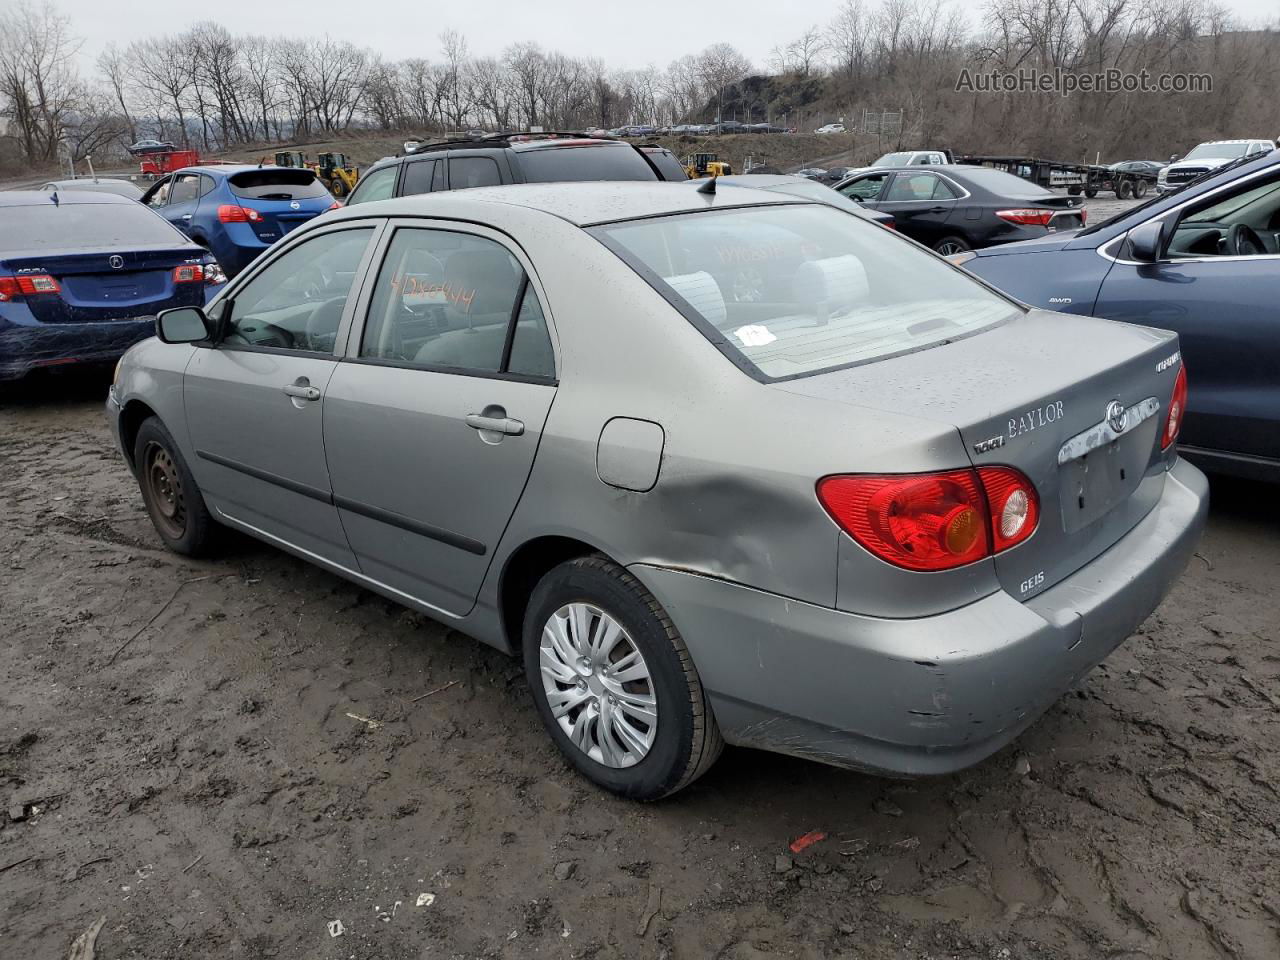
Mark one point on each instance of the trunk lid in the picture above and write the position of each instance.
(1017, 394)
(108, 284)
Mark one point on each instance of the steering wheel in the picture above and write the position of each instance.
(1243, 241)
(276, 336)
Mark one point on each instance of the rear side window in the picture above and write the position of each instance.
(277, 185)
(467, 172)
(446, 300)
(83, 225)
(417, 177)
(605, 161)
(790, 290)
(919, 186)
(378, 185)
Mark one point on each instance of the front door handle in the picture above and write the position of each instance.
(504, 425)
(302, 390)
(186, 216)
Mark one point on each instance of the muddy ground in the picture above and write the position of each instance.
(225, 758)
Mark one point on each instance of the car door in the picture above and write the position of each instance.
(921, 204)
(184, 195)
(1224, 309)
(432, 423)
(255, 399)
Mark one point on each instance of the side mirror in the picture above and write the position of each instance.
(1173, 158)
(182, 325)
(1146, 241)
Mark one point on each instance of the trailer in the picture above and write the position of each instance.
(1087, 178)
(158, 164)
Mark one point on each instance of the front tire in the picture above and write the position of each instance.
(614, 683)
(173, 500)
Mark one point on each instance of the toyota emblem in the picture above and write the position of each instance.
(1117, 416)
(116, 261)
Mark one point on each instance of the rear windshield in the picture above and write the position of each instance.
(791, 290)
(606, 161)
(1006, 184)
(893, 160)
(277, 185)
(669, 168)
(47, 226)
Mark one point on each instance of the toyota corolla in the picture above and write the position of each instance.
(719, 465)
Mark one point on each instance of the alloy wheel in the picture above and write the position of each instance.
(597, 685)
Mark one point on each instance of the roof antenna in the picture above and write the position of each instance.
(709, 188)
(54, 197)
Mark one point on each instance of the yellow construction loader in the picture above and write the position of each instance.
(706, 165)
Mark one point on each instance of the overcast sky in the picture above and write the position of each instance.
(624, 33)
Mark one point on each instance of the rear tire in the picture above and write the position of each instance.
(337, 188)
(950, 246)
(1124, 190)
(173, 500)
(1075, 191)
(1140, 189)
(605, 689)
(1090, 192)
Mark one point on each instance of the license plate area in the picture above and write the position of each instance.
(1091, 485)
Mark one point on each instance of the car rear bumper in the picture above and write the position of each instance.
(925, 696)
(26, 347)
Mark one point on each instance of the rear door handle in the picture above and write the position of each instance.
(186, 216)
(512, 428)
(937, 209)
(302, 391)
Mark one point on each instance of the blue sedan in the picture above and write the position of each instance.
(238, 211)
(82, 276)
(1204, 262)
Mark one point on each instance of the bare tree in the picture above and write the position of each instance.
(39, 85)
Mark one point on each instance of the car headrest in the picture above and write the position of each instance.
(832, 285)
(481, 281)
(703, 294)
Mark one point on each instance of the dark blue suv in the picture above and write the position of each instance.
(238, 211)
(1204, 262)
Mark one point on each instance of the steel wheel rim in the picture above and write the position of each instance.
(164, 488)
(598, 685)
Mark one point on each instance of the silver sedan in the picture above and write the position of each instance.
(721, 465)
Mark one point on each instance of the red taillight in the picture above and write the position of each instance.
(11, 288)
(1177, 410)
(234, 213)
(1084, 216)
(1013, 504)
(1027, 217)
(336, 205)
(934, 521)
(188, 273)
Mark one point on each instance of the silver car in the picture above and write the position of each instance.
(720, 465)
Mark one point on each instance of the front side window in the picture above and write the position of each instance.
(786, 291)
(378, 185)
(467, 172)
(866, 188)
(159, 195)
(296, 302)
(446, 300)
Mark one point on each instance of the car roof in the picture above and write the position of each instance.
(1245, 140)
(39, 198)
(581, 203)
(229, 169)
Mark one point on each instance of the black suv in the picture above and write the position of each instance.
(512, 158)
